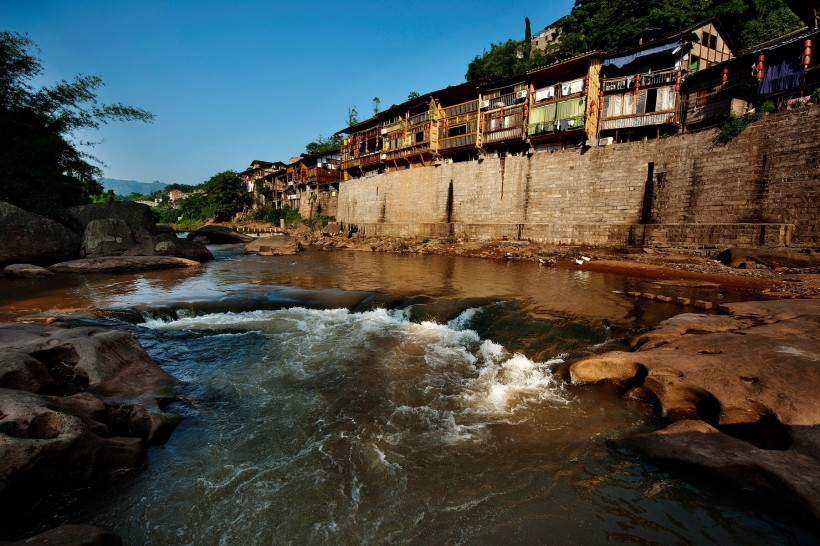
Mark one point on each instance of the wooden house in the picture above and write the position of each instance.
(563, 102)
(409, 133)
(458, 120)
(503, 116)
(361, 147)
(640, 86)
(775, 70)
(255, 176)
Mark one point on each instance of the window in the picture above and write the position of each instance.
(456, 131)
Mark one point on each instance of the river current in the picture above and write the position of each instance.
(348, 398)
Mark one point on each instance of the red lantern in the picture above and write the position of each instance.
(600, 101)
(637, 83)
(677, 82)
(586, 84)
(725, 78)
(760, 66)
(807, 55)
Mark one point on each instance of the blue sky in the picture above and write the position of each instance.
(233, 81)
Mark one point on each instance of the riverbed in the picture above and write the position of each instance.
(351, 397)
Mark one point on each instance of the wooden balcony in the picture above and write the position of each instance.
(639, 120)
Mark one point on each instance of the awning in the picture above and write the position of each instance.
(624, 60)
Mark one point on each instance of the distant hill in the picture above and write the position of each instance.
(127, 187)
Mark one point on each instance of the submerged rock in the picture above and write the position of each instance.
(72, 535)
(747, 386)
(29, 236)
(277, 245)
(110, 264)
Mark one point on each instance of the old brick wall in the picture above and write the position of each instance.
(761, 188)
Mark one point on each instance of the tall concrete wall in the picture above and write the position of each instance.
(763, 188)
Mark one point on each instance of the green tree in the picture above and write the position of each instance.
(376, 102)
(225, 195)
(322, 145)
(352, 116)
(611, 25)
(413, 95)
(42, 168)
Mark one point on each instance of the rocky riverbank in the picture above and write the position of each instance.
(739, 391)
(77, 406)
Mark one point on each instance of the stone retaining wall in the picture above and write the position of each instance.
(763, 188)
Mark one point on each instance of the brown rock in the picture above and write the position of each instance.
(109, 264)
(106, 237)
(26, 271)
(171, 245)
(29, 236)
(220, 235)
(91, 406)
(753, 375)
(276, 245)
(788, 476)
(137, 216)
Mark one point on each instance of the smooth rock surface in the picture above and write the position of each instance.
(220, 235)
(26, 271)
(106, 237)
(76, 404)
(108, 264)
(28, 236)
(277, 245)
(751, 383)
(170, 245)
(137, 215)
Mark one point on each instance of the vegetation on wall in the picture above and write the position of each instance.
(43, 168)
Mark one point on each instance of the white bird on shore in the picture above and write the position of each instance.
(579, 261)
(586, 258)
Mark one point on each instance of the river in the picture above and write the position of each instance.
(348, 397)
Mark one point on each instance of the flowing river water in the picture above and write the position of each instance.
(348, 397)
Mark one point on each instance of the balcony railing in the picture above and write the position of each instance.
(555, 126)
(639, 120)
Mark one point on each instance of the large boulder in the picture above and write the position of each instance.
(106, 237)
(31, 237)
(76, 403)
(277, 245)
(171, 245)
(219, 235)
(746, 384)
(138, 216)
(113, 264)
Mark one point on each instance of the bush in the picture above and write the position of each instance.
(273, 216)
(767, 107)
(734, 125)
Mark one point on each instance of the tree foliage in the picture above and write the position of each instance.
(506, 59)
(322, 145)
(224, 195)
(42, 168)
(611, 25)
